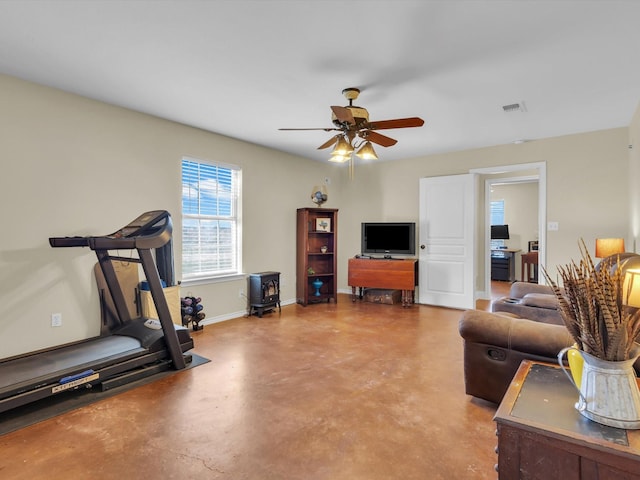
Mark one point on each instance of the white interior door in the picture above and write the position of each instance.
(447, 241)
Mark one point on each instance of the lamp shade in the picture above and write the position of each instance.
(367, 152)
(631, 288)
(609, 246)
(338, 158)
(343, 147)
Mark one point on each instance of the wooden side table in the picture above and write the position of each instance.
(542, 436)
(530, 263)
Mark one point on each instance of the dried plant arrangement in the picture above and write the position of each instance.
(591, 303)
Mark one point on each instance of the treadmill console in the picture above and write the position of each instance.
(150, 230)
(143, 225)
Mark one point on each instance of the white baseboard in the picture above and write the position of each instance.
(238, 314)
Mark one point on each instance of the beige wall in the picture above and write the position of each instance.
(634, 183)
(520, 213)
(74, 166)
(587, 190)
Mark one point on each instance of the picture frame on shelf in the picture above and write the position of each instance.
(323, 224)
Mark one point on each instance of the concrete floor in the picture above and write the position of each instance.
(328, 391)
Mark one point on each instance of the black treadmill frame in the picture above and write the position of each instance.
(151, 230)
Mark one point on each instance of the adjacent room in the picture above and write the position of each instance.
(307, 239)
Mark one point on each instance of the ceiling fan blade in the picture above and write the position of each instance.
(343, 114)
(379, 139)
(329, 142)
(397, 123)
(328, 129)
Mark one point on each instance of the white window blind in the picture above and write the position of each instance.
(497, 212)
(210, 219)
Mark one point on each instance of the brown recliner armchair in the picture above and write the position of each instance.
(538, 302)
(496, 343)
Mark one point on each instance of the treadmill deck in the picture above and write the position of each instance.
(58, 363)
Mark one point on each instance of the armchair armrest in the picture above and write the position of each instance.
(520, 289)
(513, 333)
(541, 300)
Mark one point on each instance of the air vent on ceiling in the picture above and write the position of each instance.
(514, 107)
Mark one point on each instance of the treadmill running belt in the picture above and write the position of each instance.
(57, 363)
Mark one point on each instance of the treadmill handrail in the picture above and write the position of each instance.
(69, 241)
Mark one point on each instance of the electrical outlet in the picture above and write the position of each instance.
(553, 226)
(56, 319)
(241, 293)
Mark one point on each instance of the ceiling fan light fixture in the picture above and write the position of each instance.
(343, 147)
(338, 158)
(366, 152)
(357, 134)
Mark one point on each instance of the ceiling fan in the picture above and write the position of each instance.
(357, 132)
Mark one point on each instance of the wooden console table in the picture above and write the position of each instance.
(542, 436)
(396, 274)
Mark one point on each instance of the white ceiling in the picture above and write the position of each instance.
(246, 68)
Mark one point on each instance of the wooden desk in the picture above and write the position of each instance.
(400, 274)
(529, 266)
(542, 436)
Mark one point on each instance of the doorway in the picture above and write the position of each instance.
(510, 174)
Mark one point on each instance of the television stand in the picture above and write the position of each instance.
(395, 274)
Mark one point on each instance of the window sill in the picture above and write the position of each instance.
(209, 280)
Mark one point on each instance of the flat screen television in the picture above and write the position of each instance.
(499, 232)
(389, 238)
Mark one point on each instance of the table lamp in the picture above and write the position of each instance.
(631, 288)
(609, 246)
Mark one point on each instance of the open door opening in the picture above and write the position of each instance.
(512, 174)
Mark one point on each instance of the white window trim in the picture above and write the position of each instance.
(221, 277)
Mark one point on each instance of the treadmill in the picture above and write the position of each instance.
(130, 349)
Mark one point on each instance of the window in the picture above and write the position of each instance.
(210, 219)
(497, 218)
